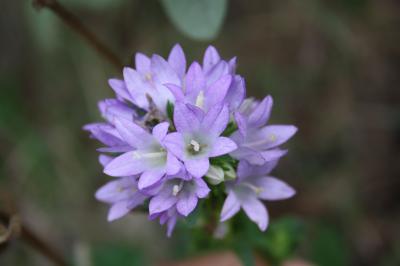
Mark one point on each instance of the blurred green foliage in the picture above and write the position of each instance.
(198, 19)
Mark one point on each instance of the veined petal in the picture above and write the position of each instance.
(161, 203)
(216, 120)
(163, 72)
(133, 134)
(185, 119)
(256, 211)
(236, 93)
(171, 225)
(177, 60)
(271, 136)
(105, 159)
(160, 131)
(176, 91)
(222, 145)
(118, 210)
(119, 88)
(195, 80)
(217, 71)
(245, 169)
(273, 188)
(241, 124)
(175, 144)
(271, 155)
(261, 114)
(186, 203)
(173, 164)
(248, 154)
(230, 208)
(217, 91)
(150, 177)
(116, 190)
(125, 165)
(202, 189)
(211, 57)
(197, 167)
(142, 63)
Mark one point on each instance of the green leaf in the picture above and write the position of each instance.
(245, 254)
(329, 248)
(197, 19)
(117, 254)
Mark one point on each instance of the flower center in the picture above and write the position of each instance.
(177, 188)
(200, 99)
(195, 147)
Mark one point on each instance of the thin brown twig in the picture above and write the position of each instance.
(24, 233)
(75, 24)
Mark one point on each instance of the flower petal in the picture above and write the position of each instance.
(160, 131)
(150, 177)
(118, 210)
(202, 189)
(216, 120)
(173, 164)
(197, 167)
(186, 203)
(177, 60)
(163, 72)
(222, 145)
(133, 134)
(273, 188)
(175, 144)
(105, 159)
(161, 203)
(230, 208)
(236, 93)
(274, 154)
(176, 91)
(256, 211)
(185, 119)
(211, 57)
(125, 165)
(195, 81)
(119, 88)
(142, 63)
(260, 115)
(217, 91)
(274, 135)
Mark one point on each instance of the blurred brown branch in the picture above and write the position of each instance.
(73, 21)
(12, 227)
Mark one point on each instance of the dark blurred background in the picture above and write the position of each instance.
(331, 66)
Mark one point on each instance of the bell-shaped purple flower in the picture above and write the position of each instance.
(148, 156)
(257, 142)
(253, 184)
(122, 194)
(198, 136)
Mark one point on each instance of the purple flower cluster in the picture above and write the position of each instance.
(174, 132)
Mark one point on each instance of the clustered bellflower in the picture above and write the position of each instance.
(173, 132)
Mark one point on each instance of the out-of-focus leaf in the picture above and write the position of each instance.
(281, 238)
(106, 255)
(198, 19)
(245, 253)
(329, 248)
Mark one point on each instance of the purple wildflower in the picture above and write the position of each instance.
(148, 156)
(163, 159)
(122, 194)
(252, 185)
(257, 142)
(198, 136)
